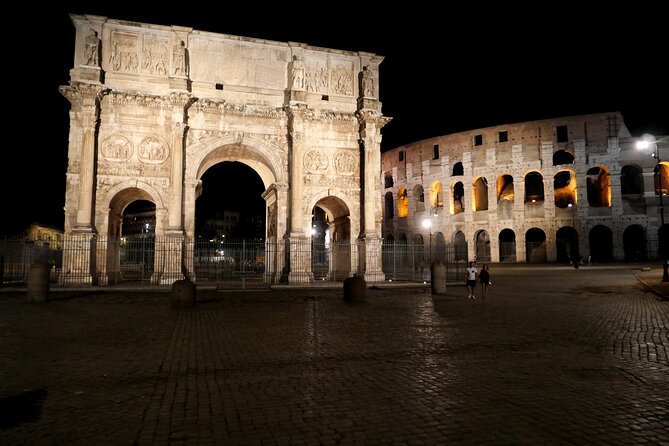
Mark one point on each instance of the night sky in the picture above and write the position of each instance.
(445, 71)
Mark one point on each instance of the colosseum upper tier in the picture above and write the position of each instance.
(548, 190)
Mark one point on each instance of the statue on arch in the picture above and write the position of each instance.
(367, 83)
(179, 54)
(297, 74)
(91, 48)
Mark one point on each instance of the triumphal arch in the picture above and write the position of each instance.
(153, 107)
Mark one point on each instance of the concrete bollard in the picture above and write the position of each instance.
(438, 278)
(355, 289)
(183, 294)
(38, 282)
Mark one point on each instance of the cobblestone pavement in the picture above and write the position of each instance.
(553, 356)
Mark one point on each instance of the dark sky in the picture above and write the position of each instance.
(457, 68)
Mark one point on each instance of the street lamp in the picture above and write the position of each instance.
(574, 249)
(643, 144)
(427, 224)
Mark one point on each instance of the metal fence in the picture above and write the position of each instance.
(147, 259)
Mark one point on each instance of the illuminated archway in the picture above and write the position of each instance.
(480, 187)
(402, 203)
(598, 187)
(331, 249)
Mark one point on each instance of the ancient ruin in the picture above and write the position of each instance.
(153, 107)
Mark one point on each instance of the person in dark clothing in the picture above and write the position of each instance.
(484, 276)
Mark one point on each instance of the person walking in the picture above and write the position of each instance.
(484, 277)
(470, 277)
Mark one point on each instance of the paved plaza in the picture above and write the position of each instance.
(553, 356)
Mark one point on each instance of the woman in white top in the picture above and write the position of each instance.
(470, 277)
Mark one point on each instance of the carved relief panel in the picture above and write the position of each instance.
(317, 77)
(123, 55)
(342, 78)
(153, 150)
(117, 148)
(155, 55)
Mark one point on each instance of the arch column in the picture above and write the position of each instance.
(79, 246)
(299, 258)
(276, 206)
(370, 241)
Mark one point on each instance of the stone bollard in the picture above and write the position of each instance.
(183, 294)
(438, 278)
(355, 289)
(38, 282)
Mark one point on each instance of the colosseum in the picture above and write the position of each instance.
(553, 190)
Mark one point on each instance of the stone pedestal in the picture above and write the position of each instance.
(183, 294)
(38, 282)
(355, 289)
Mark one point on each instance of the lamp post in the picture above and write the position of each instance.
(643, 144)
(427, 224)
(574, 249)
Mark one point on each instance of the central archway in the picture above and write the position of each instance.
(331, 239)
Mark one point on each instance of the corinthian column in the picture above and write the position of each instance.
(300, 248)
(176, 179)
(369, 263)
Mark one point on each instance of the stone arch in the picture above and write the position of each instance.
(480, 194)
(436, 195)
(661, 176)
(634, 243)
(119, 196)
(334, 252)
(566, 244)
(458, 169)
(505, 190)
(482, 240)
(564, 188)
(562, 156)
(460, 246)
(419, 197)
(631, 180)
(535, 245)
(258, 154)
(110, 265)
(601, 243)
(389, 206)
(534, 187)
(402, 203)
(458, 193)
(507, 245)
(598, 184)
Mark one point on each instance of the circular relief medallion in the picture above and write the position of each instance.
(315, 161)
(117, 148)
(345, 163)
(153, 150)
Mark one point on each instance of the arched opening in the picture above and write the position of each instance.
(663, 242)
(564, 188)
(562, 157)
(482, 246)
(505, 189)
(507, 245)
(566, 244)
(402, 203)
(331, 250)
(436, 195)
(138, 242)
(458, 169)
(631, 189)
(598, 187)
(419, 250)
(601, 244)
(480, 194)
(634, 244)
(439, 253)
(230, 224)
(661, 178)
(460, 247)
(388, 206)
(535, 245)
(458, 198)
(534, 187)
(505, 197)
(419, 197)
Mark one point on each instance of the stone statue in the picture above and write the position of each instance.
(91, 48)
(367, 83)
(298, 73)
(179, 54)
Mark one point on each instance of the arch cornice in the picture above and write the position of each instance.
(134, 184)
(262, 153)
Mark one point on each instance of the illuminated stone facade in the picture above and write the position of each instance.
(153, 107)
(527, 192)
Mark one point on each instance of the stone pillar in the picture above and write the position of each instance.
(370, 240)
(300, 246)
(175, 211)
